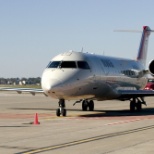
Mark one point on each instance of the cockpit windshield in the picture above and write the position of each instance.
(53, 64)
(83, 65)
(69, 64)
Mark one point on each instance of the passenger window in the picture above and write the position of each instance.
(68, 64)
(83, 65)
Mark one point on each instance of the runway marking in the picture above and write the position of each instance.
(122, 122)
(47, 116)
(100, 137)
(125, 118)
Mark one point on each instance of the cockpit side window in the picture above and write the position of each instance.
(68, 64)
(53, 64)
(83, 65)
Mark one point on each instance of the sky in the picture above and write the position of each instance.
(32, 32)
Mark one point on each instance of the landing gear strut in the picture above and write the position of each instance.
(61, 110)
(136, 104)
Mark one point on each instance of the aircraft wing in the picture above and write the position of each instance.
(33, 91)
(128, 94)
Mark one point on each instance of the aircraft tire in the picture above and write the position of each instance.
(58, 112)
(84, 105)
(64, 112)
(139, 106)
(91, 105)
(132, 106)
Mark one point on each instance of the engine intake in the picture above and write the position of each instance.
(151, 67)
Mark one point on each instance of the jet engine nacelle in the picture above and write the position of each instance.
(151, 67)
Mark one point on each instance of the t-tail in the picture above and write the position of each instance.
(142, 53)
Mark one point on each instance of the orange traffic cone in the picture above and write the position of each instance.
(36, 122)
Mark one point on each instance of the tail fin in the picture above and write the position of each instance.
(142, 53)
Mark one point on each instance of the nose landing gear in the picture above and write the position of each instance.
(61, 110)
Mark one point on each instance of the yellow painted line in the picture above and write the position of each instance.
(61, 146)
(88, 140)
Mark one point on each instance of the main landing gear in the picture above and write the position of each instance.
(61, 110)
(136, 104)
(86, 104)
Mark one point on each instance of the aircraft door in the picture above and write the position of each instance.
(104, 70)
(93, 67)
(104, 66)
(96, 70)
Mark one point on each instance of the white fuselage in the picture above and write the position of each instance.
(101, 81)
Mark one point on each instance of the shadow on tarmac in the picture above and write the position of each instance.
(100, 113)
(12, 126)
(120, 113)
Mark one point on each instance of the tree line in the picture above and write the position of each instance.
(21, 81)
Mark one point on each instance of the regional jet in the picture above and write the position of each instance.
(86, 77)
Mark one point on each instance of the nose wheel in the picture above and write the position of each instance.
(61, 110)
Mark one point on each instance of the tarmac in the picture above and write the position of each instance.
(110, 129)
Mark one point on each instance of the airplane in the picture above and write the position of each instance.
(86, 77)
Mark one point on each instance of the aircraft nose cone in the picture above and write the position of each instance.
(51, 85)
(55, 84)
